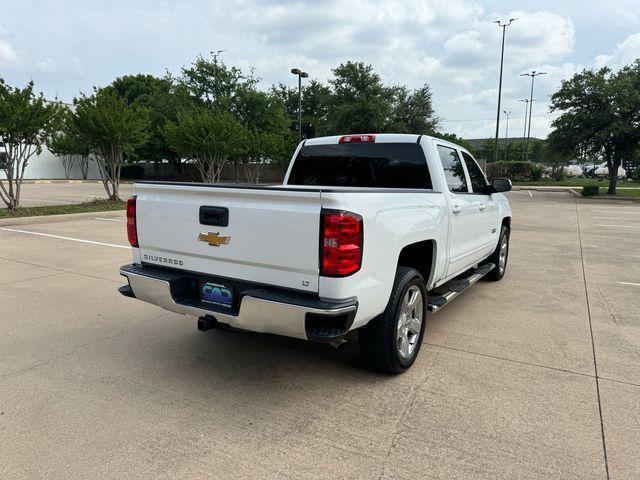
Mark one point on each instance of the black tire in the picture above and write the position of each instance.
(497, 273)
(379, 340)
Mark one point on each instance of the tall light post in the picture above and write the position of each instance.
(301, 75)
(506, 133)
(524, 131)
(504, 29)
(533, 76)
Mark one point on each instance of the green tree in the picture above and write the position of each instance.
(70, 146)
(112, 129)
(281, 158)
(209, 138)
(316, 98)
(162, 98)
(412, 111)
(261, 147)
(62, 146)
(260, 111)
(214, 84)
(599, 116)
(263, 116)
(360, 102)
(27, 121)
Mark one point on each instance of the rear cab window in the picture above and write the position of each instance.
(374, 165)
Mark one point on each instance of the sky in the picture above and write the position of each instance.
(453, 45)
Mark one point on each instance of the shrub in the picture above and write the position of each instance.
(515, 170)
(590, 190)
(132, 172)
(536, 173)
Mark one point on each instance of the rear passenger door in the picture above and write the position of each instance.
(463, 219)
(488, 213)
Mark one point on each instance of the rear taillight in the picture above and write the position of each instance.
(132, 231)
(357, 139)
(341, 238)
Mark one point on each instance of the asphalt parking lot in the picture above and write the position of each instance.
(95, 385)
(65, 193)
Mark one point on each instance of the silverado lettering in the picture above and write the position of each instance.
(156, 258)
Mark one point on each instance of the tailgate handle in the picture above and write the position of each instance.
(216, 216)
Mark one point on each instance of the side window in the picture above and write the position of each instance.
(478, 182)
(453, 170)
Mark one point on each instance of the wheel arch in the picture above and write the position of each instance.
(421, 256)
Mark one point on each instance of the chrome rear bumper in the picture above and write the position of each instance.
(257, 312)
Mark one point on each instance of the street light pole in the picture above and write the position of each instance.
(506, 133)
(533, 76)
(504, 28)
(301, 75)
(524, 131)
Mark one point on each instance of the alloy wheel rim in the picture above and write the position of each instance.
(410, 317)
(502, 259)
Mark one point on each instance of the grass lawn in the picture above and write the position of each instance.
(574, 182)
(92, 206)
(630, 192)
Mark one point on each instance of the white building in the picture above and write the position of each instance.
(47, 166)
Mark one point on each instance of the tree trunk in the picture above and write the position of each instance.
(67, 165)
(612, 167)
(84, 166)
(17, 157)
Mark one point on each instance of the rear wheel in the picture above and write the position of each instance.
(391, 341)
(500, 256)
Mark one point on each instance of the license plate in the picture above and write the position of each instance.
(217, 294)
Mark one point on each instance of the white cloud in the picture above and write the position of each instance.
(8, 55)
(625, 53)
(534, 37)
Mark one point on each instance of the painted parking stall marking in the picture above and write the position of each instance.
(80, 240)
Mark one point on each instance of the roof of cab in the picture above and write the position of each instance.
(379, 138)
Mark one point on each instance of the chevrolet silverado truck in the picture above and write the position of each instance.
(366, 233)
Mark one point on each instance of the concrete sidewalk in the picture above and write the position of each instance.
(95, 385)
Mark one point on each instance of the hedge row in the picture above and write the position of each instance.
(515, 170)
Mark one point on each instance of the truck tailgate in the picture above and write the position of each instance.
(272, 234)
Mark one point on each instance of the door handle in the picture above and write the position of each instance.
(456, 208)
(215, 216)
(482, 206)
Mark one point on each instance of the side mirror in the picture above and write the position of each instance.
(501, 185)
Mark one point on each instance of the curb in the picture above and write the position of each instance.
(65, 217)
(54, 181)
(573, 191)
(41, 182)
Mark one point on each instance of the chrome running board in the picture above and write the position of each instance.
(440, 296)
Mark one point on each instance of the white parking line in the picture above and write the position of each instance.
(619, 210)
(619, 226)
(108, 219)
(530, 194)
(630, 283)
(64, 238)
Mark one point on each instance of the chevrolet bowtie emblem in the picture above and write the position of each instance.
(214, 239)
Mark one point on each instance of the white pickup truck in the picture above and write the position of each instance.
(366, 233)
